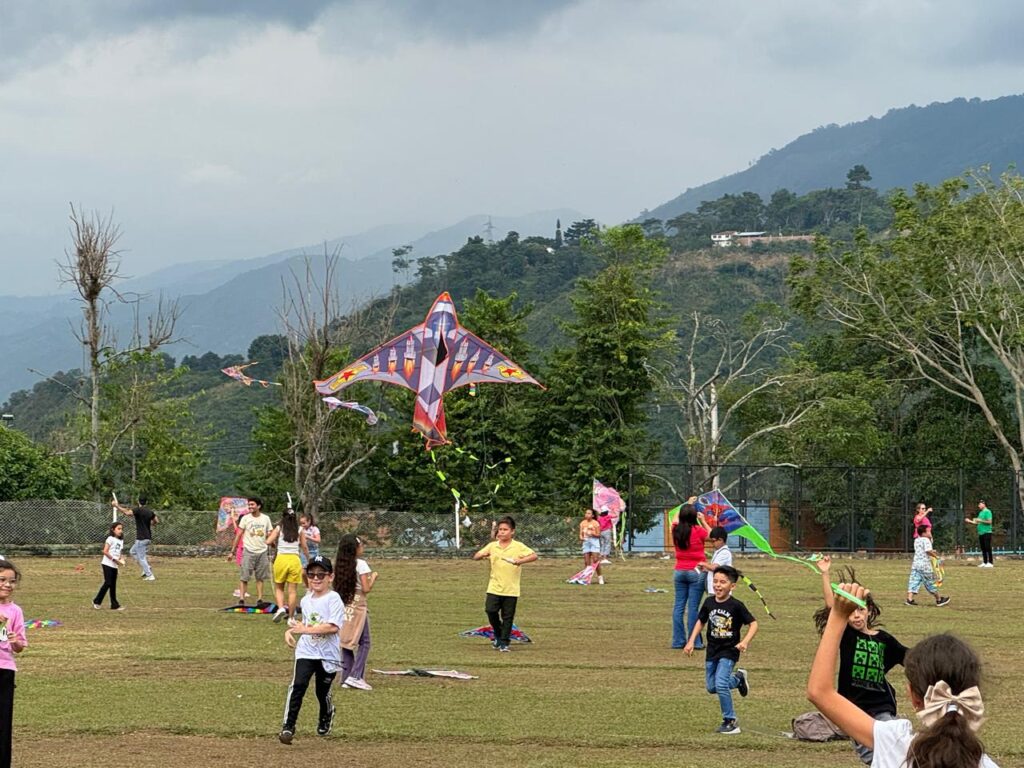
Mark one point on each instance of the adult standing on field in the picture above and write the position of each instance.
(984, 523)
(689, 532)
(253, 530)
(921, 513)
(144, 520)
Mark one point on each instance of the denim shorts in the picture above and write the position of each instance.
(591, 545)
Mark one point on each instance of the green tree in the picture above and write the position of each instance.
(28, 471)
(857, 177)
(594, 417)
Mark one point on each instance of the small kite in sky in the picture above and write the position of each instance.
(334, 403)
(235, 372)
(432, 358)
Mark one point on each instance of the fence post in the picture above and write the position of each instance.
(743, 502)
(797, 490)
(1014, 508)
(626, 512)
(905, 516)
(960, 512)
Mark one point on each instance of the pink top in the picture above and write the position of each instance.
(922, 521)
(605, 521)
(12, 625)
(687, 559)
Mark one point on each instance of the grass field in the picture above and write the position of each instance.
(171, 681)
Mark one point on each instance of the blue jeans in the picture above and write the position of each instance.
(718, 678)
(689, 590)
(138, 551)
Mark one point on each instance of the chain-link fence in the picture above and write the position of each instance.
(842, 509)
(72, 527)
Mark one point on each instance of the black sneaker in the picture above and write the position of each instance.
(743, 687)
(941, 602)
(495, 644)
(728, 726)
(286, 735)
(909, 602)
(261, 604)
(504, 648)
(326, 723)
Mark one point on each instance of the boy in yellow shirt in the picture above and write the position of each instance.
(506, 556)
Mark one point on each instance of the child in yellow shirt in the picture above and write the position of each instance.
(506, 556)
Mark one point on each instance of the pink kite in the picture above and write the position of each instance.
(605, 497)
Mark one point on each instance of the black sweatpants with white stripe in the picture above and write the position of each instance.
(305, 669)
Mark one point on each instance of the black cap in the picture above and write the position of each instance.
(718, 532)
(320, 562)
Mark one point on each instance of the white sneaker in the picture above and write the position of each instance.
(281, 613)
(983, 565)
(151, 577)
(990, 565)
(600, 579)
(352, 682)
(605, 561)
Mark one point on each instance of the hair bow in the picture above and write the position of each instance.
(939, 699)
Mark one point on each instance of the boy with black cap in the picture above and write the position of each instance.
(317, 650)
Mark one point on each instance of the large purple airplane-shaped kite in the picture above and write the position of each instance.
(430, 359)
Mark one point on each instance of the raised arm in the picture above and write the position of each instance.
(826, 579)
(821, 686)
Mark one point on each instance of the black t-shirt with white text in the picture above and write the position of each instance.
(863, 662)
(143, 520)
(723, 621)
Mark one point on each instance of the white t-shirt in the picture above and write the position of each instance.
(362, 568)
(287, 547)
(722, 556)
(257, 528)
(326, 609)
(892, 741)
(114, 546)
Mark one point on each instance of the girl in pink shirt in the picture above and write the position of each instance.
(12, 641)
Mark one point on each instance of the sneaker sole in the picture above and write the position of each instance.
(285, 738)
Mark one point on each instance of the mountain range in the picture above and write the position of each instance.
(905, 146)
(226, 304)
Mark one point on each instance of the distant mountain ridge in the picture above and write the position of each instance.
(225, 305)
(905, 146)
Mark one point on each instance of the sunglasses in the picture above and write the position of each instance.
(317, 575)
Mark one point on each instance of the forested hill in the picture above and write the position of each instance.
(905, 146)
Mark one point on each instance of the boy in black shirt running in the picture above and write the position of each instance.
(723, 615)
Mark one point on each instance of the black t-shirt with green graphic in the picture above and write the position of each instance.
(863, 661)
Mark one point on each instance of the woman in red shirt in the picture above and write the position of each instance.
(689, 533)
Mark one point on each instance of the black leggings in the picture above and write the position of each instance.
(501, 610)
(305, 669)
(6, 715)
(985, 539)
(109, 584)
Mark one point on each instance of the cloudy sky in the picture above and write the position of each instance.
(236, 128)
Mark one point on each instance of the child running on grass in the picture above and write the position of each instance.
(506, 556)
(112, 558)
(723, 615)
(353, 580)
(943, 673)
(866, 654)
(12, 641)
(317, 653)
(921, 572)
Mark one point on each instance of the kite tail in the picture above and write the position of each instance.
(757, 592)
(800, 560)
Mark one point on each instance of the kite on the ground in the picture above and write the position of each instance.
(488, 631)
(235, 372)
(268, 608)
(584, 577)
(43, 623)
(453, 674)
(334, 403)
(432, 358)
(654, 590)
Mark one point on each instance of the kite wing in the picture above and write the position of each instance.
(231, 508)
(334, 403)
(584, 577)
(487, 631)
(477, 362)
(393, 362)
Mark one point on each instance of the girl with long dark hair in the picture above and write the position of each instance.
(353, 580)
(290, 540)
(689, 532)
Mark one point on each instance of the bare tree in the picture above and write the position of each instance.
(323, 449)
(92, 266)
(721, 372)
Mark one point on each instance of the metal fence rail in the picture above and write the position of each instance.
(842, 509)
(69, 527)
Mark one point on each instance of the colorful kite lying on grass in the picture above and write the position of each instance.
(235, 372)
(584, 577)
(432, 358)
(452, 674)
(42, 623)
(268, 608)
(488, 631)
